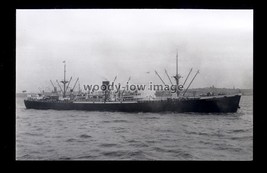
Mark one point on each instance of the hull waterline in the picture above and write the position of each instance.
(220, 104)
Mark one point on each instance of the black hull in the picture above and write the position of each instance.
(222, 104)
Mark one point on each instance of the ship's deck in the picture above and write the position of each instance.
(115, 102)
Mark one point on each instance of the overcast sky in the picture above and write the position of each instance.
(100, 44)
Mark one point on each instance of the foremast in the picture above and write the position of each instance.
(177, 76)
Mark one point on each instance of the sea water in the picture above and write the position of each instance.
(85, 135)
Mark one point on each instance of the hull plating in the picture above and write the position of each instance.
(212, 104)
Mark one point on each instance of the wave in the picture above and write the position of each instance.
(212, 134)
(150, 118)
(105, 121)
(178, 153)
(108, 145)
(119, 129)
(138, 144)
(85, 136)
(118, 153)
(229, 148)
(64, 158)
(120, 121)
(239, 130)
(33, 134)
(115, 121)
(136, 155)
(74, 140)
(165, 130)
(86, 157)
(250, 137)
(71, 140)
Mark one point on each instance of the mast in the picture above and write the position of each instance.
(177, 76)
(177, 82)
(64, 81)
(64, 94)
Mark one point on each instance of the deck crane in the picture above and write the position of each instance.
(187, 76)
(191, 82)
(168, 76)
(114, 81)
(160, 77)
(59, 86)
(79, 87)
(74, 85)
(40, 90)
(126, 84)
(53, 86)
(69, 83)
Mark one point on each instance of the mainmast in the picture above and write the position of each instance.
(64, 81)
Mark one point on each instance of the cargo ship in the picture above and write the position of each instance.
(125, 101)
